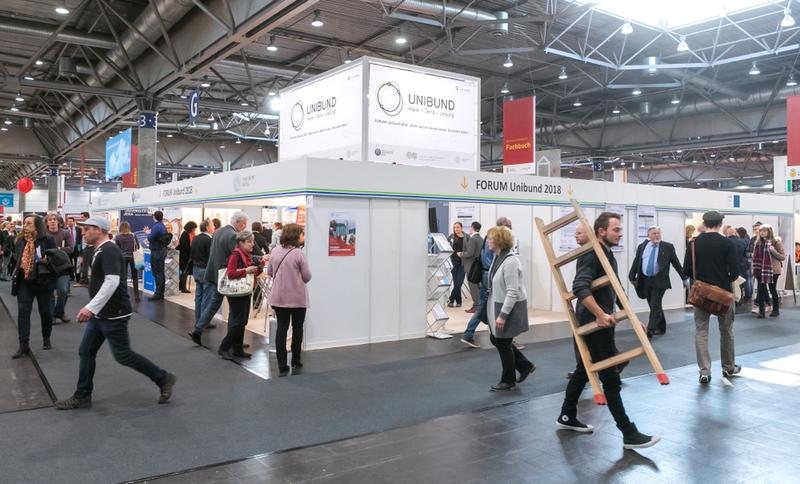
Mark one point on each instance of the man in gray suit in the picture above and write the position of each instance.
(471, 255)
(222, 244)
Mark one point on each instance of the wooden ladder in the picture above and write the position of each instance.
(556, 263)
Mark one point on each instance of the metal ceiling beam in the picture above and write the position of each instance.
(67, 35)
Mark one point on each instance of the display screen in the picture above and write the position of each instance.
(118, 155)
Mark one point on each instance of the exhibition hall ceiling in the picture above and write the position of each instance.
(688, 93)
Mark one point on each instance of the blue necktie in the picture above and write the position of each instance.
(651, 261)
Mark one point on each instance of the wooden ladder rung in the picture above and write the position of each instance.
(618, 359)
(560, 223)
(592, 327)
(573, 254)
(596, 284)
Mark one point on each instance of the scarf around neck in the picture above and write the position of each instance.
(28, 255)
(762, 263)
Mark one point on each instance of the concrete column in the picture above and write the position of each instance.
(52, 191)
(147, 149)
(21, 201)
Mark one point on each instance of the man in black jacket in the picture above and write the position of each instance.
(77, 238)
(599, 306)
(6, 251)
(650, 275)
(715, 264)
(200, 252)
(222, 244)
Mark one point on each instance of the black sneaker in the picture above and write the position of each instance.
(470, 342)
(633, 439)
(46, 345)
(242, 354)
(166, 388)
(196, 338)
(729, 373)
(503, 387)
(74, 402)
(225, 354)
(283, 371)
(525, 375)
(571, 423)
(705, 379)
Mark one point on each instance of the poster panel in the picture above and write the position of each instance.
(416, 118)
(342, 234)
(519, 131)
(619, 210)
(645, 218)
(566, 240)
(323, 118)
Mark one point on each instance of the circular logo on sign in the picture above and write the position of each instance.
(297, 115)
(389, 98)
(377, 151)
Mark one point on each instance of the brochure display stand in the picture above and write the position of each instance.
(439, 281)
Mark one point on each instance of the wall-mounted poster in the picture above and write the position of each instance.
(619, 210)
(342, 235)
(645, 218)
(566, 237)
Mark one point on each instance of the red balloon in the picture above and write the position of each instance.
(25, 185)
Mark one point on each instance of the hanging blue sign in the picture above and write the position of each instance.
(7, 200)
(194, 106)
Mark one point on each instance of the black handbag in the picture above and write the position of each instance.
(475, 274)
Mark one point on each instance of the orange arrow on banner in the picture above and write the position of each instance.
(464, 183)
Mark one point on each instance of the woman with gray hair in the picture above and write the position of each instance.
(240, 264)
(507, 308)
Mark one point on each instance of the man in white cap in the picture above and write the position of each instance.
(107, 315)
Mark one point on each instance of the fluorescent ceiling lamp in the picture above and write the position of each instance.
(7, 121)
(791, 82)
(627, 28)
(62, 9)
(39, 62)
(754, 70)
(652, 61)
(508, 64)
(682, 45)
(563, 74)
(637, 92)
(19, 98)
(238, 141)
(675, 100)
(244, 103)
(673, 14)
(205, 84)
(317, 22)
(400, 39)
(577, 103)
(14, 108)
(788, 20)
(616, 110)
(28, 78)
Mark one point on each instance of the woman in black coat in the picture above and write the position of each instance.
(185, 254)
(28, 285)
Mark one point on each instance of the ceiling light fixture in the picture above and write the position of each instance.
(788, 20)
(348, 58)
(169, 135)
(39, 62)
(62, 9)
(14, 108)
(205, 83)
(754, 70)
(238, 141)
(508, 64)
(563, 74)
(401, 38)
(260, 149)
(28, 78)
(271, 45)
(7, 121)
(222, 147)
(504, 89)
(675, 100)
(651, 62)
(791, 82)
(627, 28)
(637, 92)
(577, 103)
(317, 22)
(244, 103)
(682, 45)
(3, 129)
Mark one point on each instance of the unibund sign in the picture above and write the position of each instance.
(402, 114)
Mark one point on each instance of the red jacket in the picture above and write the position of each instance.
(238, 263)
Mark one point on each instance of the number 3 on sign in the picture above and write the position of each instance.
(147, 120)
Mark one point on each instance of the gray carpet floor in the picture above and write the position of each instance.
(222, 412)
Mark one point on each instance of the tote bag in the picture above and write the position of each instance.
(234, 287)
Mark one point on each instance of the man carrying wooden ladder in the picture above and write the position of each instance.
(599, 306)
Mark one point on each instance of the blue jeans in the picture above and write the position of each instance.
(157, 259)
(458, 280)
(29, 291)
(210, 307)
(202, 293)
(480, 309)
(59, 303)
(116, 332)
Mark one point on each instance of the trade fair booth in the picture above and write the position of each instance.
(377, 290)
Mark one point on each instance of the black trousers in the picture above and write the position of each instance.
(655, 296)
(86, 262)
(511, 358)
(763, 298)
(131, 266)
(238, 315)
(601, 346)
(185, 272)
(295, 316)
(29, 292)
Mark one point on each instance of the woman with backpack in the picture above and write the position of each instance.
(29, 282)
(128, 245)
